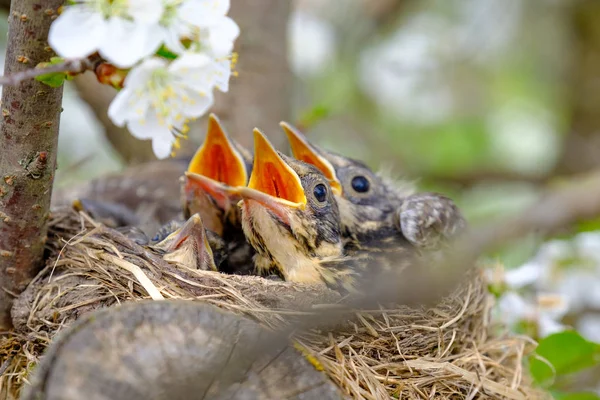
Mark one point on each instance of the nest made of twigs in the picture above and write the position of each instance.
(447, 351)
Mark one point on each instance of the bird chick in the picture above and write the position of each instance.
(289, 215)
(218, 166)
(291, 218)
(372, 208)
(193, 246)
(187, 243)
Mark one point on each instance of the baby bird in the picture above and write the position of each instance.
(193, 246)
(219, 165)
(372, 208)
(291, 218)
(289, 215)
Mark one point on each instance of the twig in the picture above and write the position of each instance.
(5, 365)
(560, 207)
(75, 66)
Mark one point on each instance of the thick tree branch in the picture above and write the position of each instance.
(29, 129)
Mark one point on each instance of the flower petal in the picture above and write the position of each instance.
(139, 76)
(150, 128)
(203, 13)
(120, 110)
(527, 274)
(196, 104)
(128, 42)
(548, 325)
(131, 103)
(222, 35)
(77, 32)
(162, 147)
(190, 61)
(146, 11)
(514, 308)
(172, 38)
(222, 73)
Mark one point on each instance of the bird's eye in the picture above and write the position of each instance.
(360, 184)
(320, 192)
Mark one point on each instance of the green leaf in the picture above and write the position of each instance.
(166, 53)
(589, 225)
(55, 79)
(576, 396)
(567, 352)
(55, 60)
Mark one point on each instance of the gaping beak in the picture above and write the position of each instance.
(217, 158)
(216, 167)
(273, 183)
(189, 246)
(224, 195)
(304, 151)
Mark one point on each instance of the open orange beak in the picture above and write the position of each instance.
(189, 245)
(222, 194)
(273, 183)
(217, 166)
(304, 151)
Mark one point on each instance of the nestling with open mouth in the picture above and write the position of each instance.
(373, 208)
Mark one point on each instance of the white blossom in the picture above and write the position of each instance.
(122, 31)
(563, 277)
(203, 23)
(544, 310)
(161, 97)
(125, 32)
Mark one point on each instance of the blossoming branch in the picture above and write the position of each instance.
(165, 56)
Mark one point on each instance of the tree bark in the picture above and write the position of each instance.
(29, 128)
(581, 150)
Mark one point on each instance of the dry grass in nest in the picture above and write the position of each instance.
(448, 351)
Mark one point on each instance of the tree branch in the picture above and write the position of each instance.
(29, 129)
(581, 147)
(72, 66)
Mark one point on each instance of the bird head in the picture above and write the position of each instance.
(189, 246)
(289, 214)
(219, 165)
(366, 200)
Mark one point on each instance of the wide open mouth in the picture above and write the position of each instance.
(304, 151)
(273, 177)
(221, 193)
(189, 245)
(217, 158)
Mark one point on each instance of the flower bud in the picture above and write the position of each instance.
(108, 74)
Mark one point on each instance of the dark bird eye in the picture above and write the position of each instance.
(360, 184)
(320, 192)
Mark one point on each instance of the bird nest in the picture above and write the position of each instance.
(446, 351)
